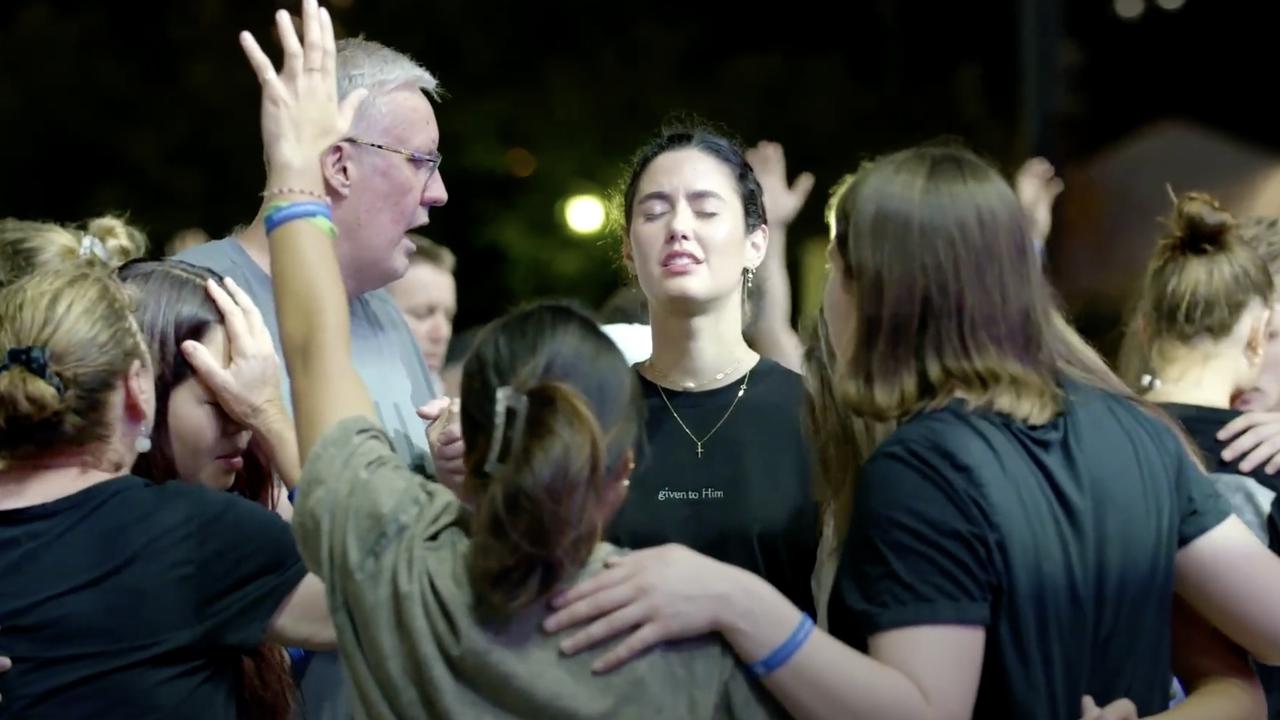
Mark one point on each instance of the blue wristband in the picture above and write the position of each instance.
(299, 661)
(783, 652)
(291, 494)
(295, 211)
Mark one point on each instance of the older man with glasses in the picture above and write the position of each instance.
(381, 182)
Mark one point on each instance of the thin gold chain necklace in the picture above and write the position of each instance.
(692, 385)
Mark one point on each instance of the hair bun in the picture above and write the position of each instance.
(121, 241)
(28, 400)
(1201, 225)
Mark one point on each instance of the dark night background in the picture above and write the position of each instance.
(151, 109)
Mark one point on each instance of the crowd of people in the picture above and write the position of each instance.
(257, 479)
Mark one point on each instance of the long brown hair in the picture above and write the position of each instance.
(949, 297)
(1201, 279)
(540, 504)
(173, 306)
(842, 441)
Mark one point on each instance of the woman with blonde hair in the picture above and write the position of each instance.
(28, 245)
(1198, 335)
(123, 598)
(1198, 344)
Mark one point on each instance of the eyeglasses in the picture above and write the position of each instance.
(431, 163)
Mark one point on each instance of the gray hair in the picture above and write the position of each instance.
(377, 68)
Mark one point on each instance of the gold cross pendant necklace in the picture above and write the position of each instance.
(741, 389)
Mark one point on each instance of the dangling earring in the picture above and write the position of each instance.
(142, 443)
(750, 275)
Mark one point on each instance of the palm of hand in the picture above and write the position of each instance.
(301, 112)
(782, 200)
(1038, 187)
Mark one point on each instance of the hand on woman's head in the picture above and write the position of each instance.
(247, 385)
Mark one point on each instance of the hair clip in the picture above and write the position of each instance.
(506, 400)
(90, 245)
(35, 360)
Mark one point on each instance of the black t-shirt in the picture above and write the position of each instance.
(748, 500)
(1058, 539)
(135, 600)
(1202, 424)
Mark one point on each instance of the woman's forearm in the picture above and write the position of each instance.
(1221, 698)
(311, 302)
(303, 619)
(772, 333)
(1220, 683)
(315, 326)
(280, 441)
(825, 678)
(312, 317)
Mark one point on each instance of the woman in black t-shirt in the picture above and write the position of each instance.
(727, 469)
(1197, 340)
(1199, 332)
(220, 420)
(122, 598)
(1251, 440)
(1015, 543)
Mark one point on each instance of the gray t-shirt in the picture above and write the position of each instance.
(382, 348)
